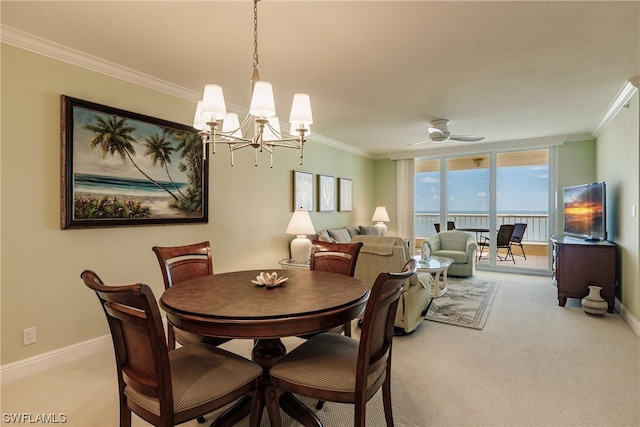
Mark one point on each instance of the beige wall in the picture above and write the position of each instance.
(617, 164)
(41, 264)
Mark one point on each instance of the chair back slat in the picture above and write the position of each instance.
(377, 327)
(180, 263)
(133, 316)
(337, 258)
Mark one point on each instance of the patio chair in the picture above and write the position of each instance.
(451, 225)
(503, 241)
(516, 237)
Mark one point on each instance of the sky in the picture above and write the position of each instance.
(520, 189)
(88, 161)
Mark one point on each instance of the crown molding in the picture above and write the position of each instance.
(622, 99)
(46, 48)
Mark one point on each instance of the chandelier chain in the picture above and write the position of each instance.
(255, 34)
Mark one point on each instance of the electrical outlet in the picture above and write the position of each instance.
(29, 336)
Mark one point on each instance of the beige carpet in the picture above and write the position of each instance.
(534, 364)
(466, 303)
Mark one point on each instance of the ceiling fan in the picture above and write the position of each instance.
(439, 132)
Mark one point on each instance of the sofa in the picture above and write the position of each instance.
(381, 254)
(345, 234)
(457, 245)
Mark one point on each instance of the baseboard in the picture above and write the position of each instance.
(628, 317)
(34, 365)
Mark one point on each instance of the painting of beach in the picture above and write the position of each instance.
(123, 169)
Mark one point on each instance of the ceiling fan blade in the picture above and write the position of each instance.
(467, 138)
(419, 142)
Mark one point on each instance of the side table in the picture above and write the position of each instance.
(438, 266)
(289, 264)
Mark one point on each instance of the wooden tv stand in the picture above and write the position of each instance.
(579, 263)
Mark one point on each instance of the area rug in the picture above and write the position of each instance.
(466, 303)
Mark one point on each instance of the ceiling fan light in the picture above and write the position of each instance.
(262, 103)
(213, 106)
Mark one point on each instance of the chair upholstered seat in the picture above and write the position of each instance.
(163, 387)
(327, 362)
(338, 368)
(460, 246)
(199, 374)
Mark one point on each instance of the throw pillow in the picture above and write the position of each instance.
(369, 230)
(323, 236)
(340, 235)
(353, 231)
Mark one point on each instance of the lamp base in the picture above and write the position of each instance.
(301, 249)
(382, 228)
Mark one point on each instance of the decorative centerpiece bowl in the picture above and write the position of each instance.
(269, 280)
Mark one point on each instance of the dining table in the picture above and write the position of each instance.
(230, 305)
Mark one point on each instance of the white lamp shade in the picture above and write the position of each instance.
(301, 109)
(231, 124)
(272, 133)
(199, 122)
(213, 106)
(380, 214)
(300, 224)
(262, 103)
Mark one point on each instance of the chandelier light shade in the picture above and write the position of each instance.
(381, 216)
(300, 225)
(260, 129)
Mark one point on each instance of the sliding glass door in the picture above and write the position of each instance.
(483, 192)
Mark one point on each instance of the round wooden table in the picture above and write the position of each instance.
(229, 305)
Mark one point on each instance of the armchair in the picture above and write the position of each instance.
(460, 246)
(384, 253)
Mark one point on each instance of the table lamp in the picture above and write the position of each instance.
(300, 225)
(381, 216)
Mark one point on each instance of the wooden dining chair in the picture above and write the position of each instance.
(337, 368)
(165, 387)
(337, 258)
(180, 263)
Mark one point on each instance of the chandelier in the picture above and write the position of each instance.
(260, 128)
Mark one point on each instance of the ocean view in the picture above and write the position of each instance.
(100, 184)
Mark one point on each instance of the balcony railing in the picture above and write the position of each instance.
(537, 224)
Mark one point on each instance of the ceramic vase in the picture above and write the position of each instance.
(594, 303)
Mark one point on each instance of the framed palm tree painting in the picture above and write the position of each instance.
(124, 169)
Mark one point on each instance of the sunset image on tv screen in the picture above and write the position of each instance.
(583, 209)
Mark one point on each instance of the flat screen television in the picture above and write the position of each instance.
(584, 208)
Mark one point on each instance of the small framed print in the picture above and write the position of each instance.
(326, 193)
(302, 191)
(345, 195)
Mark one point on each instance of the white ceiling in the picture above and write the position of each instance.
(377, 71)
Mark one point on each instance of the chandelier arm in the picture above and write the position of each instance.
(215, 109)
(235, 139)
